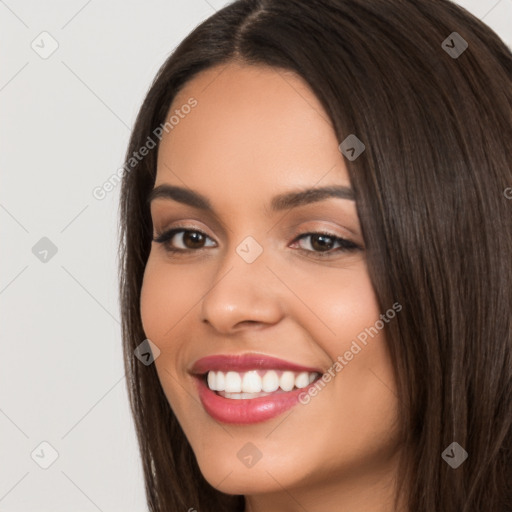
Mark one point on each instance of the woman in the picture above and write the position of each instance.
(315, 248)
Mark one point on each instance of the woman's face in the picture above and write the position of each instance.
(251, 279)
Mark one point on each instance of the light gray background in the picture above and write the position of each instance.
(65, 123)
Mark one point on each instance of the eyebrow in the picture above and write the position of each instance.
(280, 202)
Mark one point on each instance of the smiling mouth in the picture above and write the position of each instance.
(250, 388)
(257, 383)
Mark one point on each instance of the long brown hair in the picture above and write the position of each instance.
(431, 191)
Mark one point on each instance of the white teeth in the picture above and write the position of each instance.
(302, 380)
(212, 381)
(240, 396)
(220, 381)
(270, 382)
(251, 384)
(287, 381)
(233, 383)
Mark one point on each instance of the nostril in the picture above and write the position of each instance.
(250, 322)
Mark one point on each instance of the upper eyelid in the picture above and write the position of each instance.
(224, 228)
(349, 232)
(157, 217)
(177, 229)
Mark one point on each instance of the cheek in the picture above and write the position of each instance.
(354, 316)
(354, 306)
(166, 297)
(347, 324)
(341, 304)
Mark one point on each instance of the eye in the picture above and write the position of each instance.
(190, 239)
(322, 244)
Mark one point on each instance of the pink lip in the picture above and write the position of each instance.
(252, 410)
(245, 362)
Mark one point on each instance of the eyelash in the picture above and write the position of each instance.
(345, 245)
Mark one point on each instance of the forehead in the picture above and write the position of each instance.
(250, 123)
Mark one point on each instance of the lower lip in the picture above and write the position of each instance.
(246, 411)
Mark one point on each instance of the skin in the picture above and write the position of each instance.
(257, 132)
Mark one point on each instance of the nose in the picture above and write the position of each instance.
(242, 294)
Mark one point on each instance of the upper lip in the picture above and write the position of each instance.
(245, 362)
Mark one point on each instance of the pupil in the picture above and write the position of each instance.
(323, 245)
(195, 239)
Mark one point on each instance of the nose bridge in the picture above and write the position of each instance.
(241, 289)
(244, 257)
